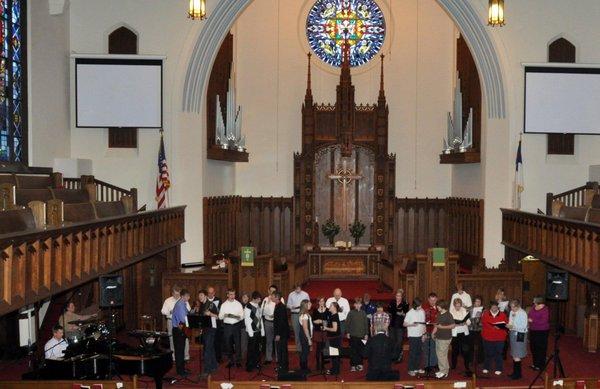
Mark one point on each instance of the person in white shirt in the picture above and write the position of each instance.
(463, 296)
(344, 308)
(293, 304)
(414, 321)
(232, 314)
(460, 335)
(255, 330)
(517, 324)
(54, 349)
(267, 309)
(167, 310)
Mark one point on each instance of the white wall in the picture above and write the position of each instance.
(271, 82)
(48, 51)
(163, 29)
(542, 21)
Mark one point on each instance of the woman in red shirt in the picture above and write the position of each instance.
(493, 333)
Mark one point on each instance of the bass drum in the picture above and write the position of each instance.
(97, 331)
(74, 338)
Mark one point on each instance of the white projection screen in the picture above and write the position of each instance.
(118, 92)
(564, 100)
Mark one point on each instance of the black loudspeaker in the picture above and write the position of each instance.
(557, 285)
(291, 376)
(111, 291)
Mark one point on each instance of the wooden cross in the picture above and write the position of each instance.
(345, 176)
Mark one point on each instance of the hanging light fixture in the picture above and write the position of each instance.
(496, 13)
(197, 9)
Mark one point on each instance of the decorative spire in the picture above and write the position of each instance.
(308, 79)
(345, 76)
(381, 84)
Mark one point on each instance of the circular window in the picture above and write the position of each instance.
(331, 23)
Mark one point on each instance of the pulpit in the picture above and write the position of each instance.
(257, 277)
(435, 276)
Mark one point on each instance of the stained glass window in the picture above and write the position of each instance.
(331, 23)
(13, 134)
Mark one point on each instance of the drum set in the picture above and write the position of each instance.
(91, 337)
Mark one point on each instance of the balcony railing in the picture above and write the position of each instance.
(568, 244)
(39, 263)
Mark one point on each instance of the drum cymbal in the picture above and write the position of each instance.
(84, 322)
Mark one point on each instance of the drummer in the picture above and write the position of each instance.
(56, 346)
(70, 316)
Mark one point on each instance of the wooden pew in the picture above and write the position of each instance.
(109, 208)
(16, 220)
(79, 212)
(69, 384)
(71, 196)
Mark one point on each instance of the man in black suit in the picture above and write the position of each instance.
(216, 301)
(381, 352)
(281, 329)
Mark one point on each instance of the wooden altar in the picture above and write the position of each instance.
(356, 263)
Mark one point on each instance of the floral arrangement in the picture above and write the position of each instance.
(357, 230)
(330, 230)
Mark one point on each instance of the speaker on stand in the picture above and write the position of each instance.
(557, 285)
(111, 295)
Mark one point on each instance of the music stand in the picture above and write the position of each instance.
(197, 322)
(260, 373)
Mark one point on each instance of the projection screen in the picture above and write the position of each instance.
(118, 92)
(563, 100)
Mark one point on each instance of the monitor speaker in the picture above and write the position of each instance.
(111, 291)
(291, 376)
(557, 285)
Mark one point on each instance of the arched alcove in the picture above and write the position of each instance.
(462, 13)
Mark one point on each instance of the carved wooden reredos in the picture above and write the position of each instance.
(347, 126)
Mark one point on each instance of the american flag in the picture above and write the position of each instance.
(162, 182)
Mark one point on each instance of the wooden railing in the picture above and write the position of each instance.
(104, 190)
(234, 221)
(568, 244)
(39, 263)
(572, 198)
(455, 223)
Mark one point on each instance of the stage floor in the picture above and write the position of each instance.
(577, 364)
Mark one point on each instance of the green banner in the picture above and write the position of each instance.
(247, 255)
(438, 255)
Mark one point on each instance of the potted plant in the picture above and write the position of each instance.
(357, 230)
(330, 230)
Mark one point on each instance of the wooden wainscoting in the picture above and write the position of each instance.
(234, 221)
(455, 223)
(487, 282)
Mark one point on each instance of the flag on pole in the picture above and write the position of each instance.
(519, 183)
(162, 183)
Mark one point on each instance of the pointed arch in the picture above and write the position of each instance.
(462, 12)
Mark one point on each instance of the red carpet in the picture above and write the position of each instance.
(577, 364)
(350, 289)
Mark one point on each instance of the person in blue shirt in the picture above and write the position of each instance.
(368, 306)
(179, 320)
